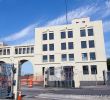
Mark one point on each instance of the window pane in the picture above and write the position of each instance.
(91, 44)
(51, 36)
(51, 58)
(92, 56)
(82, 33)
(44, 47)
(44, 36)
(45, 59)
(85, 70)
(0, 51)
(51, 69)
(4, 52)
(63, 35)
(93, 69)
(70, 45)
(63, 46)
(83, 44)
(20, 50)
(70, 34)
(32, 49)
(24, 50)
(8, 51)
(71, 57)
(84, 57)
(64, 57)
(90, 32)
(51, 47)
(28, 50)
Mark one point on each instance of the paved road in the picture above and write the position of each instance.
(85, 93)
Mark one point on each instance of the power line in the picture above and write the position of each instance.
(66, 10)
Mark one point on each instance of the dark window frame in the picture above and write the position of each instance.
(86, 70)
(93, 69)
(51, 36)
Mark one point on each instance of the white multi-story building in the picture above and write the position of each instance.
(69, 55)
(77, 49)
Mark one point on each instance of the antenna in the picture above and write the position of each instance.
(66, 10)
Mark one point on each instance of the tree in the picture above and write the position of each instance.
(108, 64)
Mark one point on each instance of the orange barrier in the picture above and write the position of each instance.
(19, 96)
(30, 85)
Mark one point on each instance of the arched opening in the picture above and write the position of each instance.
(26, 72)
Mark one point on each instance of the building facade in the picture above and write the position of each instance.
(77, 48)
(68, 54)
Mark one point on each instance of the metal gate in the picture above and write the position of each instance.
(5, 80)
(106, 75)
(61, 77)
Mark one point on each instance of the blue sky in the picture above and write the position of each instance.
(18, 18)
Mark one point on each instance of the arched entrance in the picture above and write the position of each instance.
(26, 72)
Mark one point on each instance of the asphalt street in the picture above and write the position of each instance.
(84, 93)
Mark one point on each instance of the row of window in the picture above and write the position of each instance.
(91, 54)
(25, 50)
(5, 51)
(63, 46)
(70, 45)
(86, 69)
(65, 57)
(89, 31)
(69, 33)
(84, 44)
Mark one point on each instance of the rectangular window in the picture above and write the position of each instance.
(51, 69)
(20, 50)
(28, 50)
(44, 47)
(0, 51)
(32, 49)
(51, 47)
(83, 33)
(90, 32)
(51, 58)
(71, 57)
(63, 46)
(4, 52)
(63, 35)
(91, 44)
(51, 36)
(84, 57)
(64, 57)
(70, 34)
(8, 51)
(92, 56)
(44, 58)
(83, 44)
(93, 69)
(16, 50)
(70, 45)
(85, 70)
(24, 50)
(44, 36)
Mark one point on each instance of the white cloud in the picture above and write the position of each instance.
(106, 9)
(31, 42)
(106, 26)
(24, 32)
(77, 13)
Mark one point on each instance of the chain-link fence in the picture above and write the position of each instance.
(5, 80)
